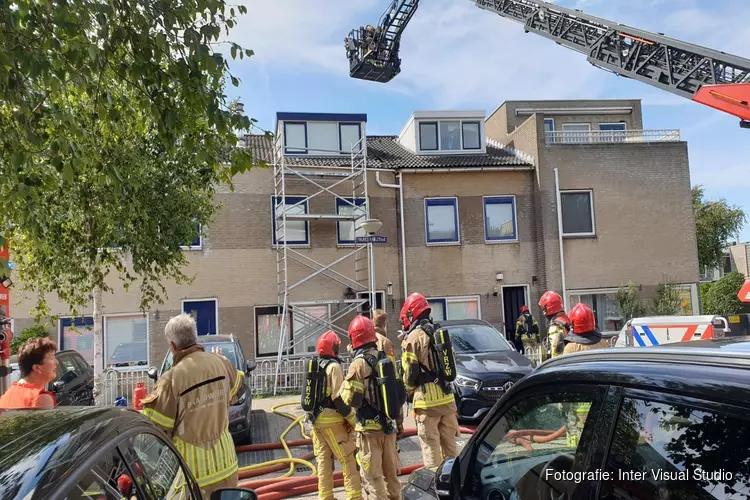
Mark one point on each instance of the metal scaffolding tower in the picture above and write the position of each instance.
(340, 185)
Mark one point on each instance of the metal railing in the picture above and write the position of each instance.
(611, 136)
(121, 383)
(290, 376)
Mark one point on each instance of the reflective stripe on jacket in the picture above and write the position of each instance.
(356, 388)
(191, 401)
(416, 349)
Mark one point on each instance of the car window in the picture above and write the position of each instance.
(228, 350)
(535, 439)
(81, 365)
(162, 467)
(66, 364)
(110, 479)
(674, 451)
(473, 339)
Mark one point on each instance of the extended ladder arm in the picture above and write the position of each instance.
(710, 77)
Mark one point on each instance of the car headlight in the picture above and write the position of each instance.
(241, 399)
(471, 383)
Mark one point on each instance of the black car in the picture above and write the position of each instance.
(487, 367)
(669, 422)
(92, 453)
(240, 411)
(74, 384)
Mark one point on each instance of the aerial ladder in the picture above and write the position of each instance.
(703, 75)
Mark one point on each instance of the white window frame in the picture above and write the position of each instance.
(591, 207)
(593, 291)
(307, 242)
(439, 150)
(549, 134)
(585, 137)
(192, 247)
(256, 334)
(694, 303)
(204, 299)
(338, 203)
(575, 124)
(512, 199)
(148, 339)
(457, 298)
(526, 291)
(366, 295)
(303, 305)
(457, 220)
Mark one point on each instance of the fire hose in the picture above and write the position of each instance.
(287, 485)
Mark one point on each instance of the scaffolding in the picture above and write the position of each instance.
(352, 267)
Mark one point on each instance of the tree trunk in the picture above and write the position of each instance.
(98, 348)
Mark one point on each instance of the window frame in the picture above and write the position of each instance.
(341, 136)
(358, 201)
(452, 299)
(584, 139)
(438, 201)
(479, 135)
(549, 134)
(199, 246)
(204, 299)
(148, 339)
(258, 311)
(439, 148)
(590, 192)
(434, 123)
(500, 199)
(624, 126)
(294, 199)
(596, 291)
(303, 305)
(60, 326)
(295, 151)
(379, 295)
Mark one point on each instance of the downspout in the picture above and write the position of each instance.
(400, 187)
(560, 238)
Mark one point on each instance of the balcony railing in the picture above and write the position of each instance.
(611, 136)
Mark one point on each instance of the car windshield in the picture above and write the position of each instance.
(474, 339)
(135, 353)
(228, 350)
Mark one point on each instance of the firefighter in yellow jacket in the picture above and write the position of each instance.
(559, 323)
(191, 403)
(379, 319)
(333, 424)
(433, 399)
(375, 432)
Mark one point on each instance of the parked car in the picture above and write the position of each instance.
(240, 411)
(666, 422)
(487, 366)
(74, 384)
(129, 355)
(67, 453)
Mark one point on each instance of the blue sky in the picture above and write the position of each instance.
(457, 56)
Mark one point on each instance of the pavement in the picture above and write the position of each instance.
(267, 427)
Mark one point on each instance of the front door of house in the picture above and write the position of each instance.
(513, 298)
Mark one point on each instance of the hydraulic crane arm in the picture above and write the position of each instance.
(707, 76)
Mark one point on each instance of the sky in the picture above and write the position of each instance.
(457, 56)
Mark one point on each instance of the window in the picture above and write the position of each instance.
(346, 231)
(577, 213)
(550, 430)
(428, 136)
(364, 309)
(605, 307)
(323, 138)
(268, 330)
(616, 132)
(296, 231)
(78, 334)
(66, 364)
(126, 340)
(160, 465)
(576, 132)
(666, 450)
(500, 218)
(350, 134)
(295, 138)
(726, 264)
(306, 328)
(450, 136)
(441, 220)
(470, 135)
(206, 314)
(448, 308)
(104, 481)
(197, 242)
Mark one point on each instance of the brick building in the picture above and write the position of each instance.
(474, 198)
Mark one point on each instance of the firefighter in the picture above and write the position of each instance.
(376, 434)
(333, 426)
(379, 319)
(559, 323)
(585, 336)
(527, 331)
(432, 396)
(191, 403)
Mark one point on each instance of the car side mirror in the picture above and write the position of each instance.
(152, 373)
(250, 366)
(234, 494)
(448, 479)
(67, 378)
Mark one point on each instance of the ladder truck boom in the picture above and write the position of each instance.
(701, 74)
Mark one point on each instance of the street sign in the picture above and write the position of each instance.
(371, 239)
(744, 294)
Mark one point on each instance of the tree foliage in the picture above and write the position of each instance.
(721, 297)
(32, 332)
(667, 300)
(629, 302)
(115, 131)
(715, 223)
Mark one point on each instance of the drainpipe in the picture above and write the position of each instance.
(560, 238)
(400, 187)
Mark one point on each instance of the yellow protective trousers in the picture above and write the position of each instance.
(329, 442)
(437, 429)
(378, 457)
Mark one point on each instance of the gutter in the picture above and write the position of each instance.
(400, 187)
(560, 238)
(524, 168)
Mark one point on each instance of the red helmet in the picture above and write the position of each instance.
(414, 306)
(328, 344)
(551, 303)
(582, 318)
(361, 331)
(524, 309)
(124, 484)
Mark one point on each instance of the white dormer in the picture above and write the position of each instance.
(444, 132)
(321, 134)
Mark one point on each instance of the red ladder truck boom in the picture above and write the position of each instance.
(706, 76)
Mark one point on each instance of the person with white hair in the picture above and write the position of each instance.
(191, 402)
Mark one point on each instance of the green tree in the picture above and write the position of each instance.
(36, 331)
(715, 223)
(721, 298)
(629, 302)
(667, 300)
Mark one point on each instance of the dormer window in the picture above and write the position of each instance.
(450, 135)
(322, 134)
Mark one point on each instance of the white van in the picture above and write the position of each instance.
(657, 330)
